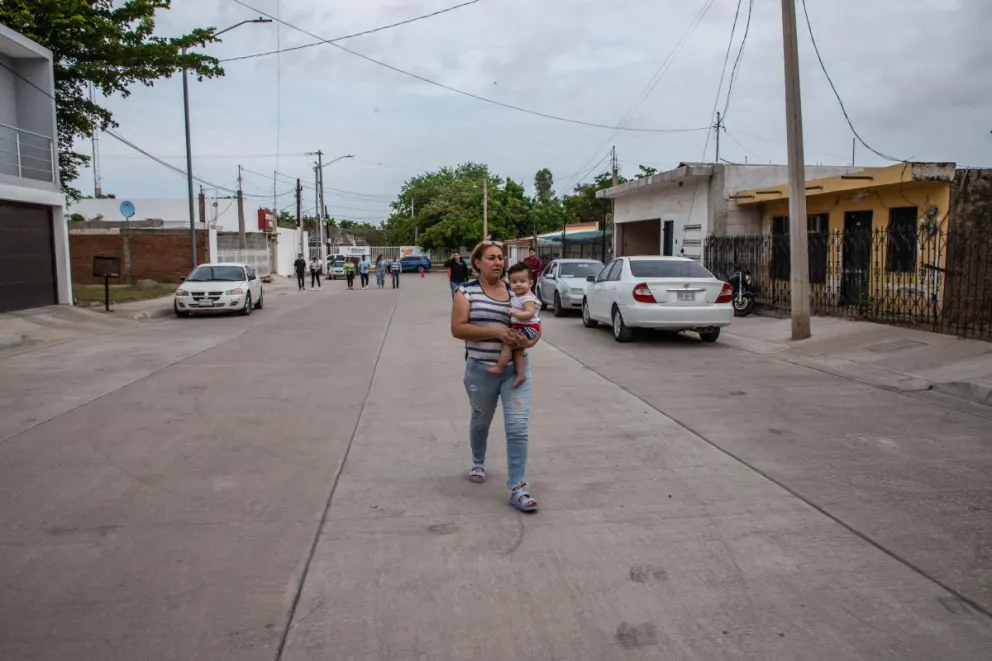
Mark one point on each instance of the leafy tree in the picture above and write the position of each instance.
(544, 185)
(644, 171)
(111, 45)
(583, 206)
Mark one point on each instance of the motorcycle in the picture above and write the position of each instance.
(742, 286)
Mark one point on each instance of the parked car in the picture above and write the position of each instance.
(562, 284)
(670, 293)
(412, 263)
(219, 288)
(336, 269)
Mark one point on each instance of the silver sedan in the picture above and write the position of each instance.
(562, 284)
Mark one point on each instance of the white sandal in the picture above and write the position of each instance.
(477, 474)
(522, 500)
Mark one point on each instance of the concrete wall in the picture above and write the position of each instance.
(685, 204)
(967, 300)
(175, 212)
(287, 247)
(163, 256)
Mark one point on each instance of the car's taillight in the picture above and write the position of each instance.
(726, 294)
(643, 295)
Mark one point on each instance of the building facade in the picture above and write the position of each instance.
(34, 242)
(671, 213)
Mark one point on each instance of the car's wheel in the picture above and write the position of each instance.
(258, 306)
(587, 319)
(621, 331)
(246, 310)
(711, 335)
(179, 313)
(558, 310)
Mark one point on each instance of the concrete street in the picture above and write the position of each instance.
(291, 486)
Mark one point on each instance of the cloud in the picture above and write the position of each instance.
(913, 77)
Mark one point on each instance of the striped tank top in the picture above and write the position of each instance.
(484, 311)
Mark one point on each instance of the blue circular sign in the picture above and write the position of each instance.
(127, 208)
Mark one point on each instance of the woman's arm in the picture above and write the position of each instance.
(463, 330)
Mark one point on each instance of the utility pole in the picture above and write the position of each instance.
(242, 237)
(275, 198)
(854, 146)
(799, 279)
(318, 222)
(613, 206)
(485, 208)
(299, 213)
(97, 183)
(189, 169)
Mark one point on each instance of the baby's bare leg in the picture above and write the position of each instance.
(520, 365)
(505, 356)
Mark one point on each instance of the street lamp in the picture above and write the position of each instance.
(189, 146)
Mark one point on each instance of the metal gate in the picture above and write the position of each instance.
(27, 257)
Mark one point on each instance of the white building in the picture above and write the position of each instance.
(34, 243)
(672, 213)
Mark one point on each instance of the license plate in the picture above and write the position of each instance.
(206, 304)
(688, 296)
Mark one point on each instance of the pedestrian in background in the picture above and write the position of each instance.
(349, 273)
(457, 271)
(363, 271)
(480, 315)
(380, 271)
(395, 268)
(534, 263)
(300, 266)
(314, 272)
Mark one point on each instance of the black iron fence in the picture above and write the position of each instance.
(922, 276)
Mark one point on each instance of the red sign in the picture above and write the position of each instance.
(266, 221)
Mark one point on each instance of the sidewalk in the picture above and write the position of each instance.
(650, 543)
(891, 357)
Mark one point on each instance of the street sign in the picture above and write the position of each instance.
(127, 209)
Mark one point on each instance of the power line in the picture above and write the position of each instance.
(665, 65)
(840, 101)
(737, 142)
(737, 62)
(348, 36)
(463, 92)
(719, 88)
(180, 171)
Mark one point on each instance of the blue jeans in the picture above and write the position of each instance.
(396, 279)
(454, 286)
(484, 391)
(380, 278)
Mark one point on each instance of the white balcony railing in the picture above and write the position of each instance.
(27, 155)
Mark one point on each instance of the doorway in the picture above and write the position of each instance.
(856, 265)
(668, 238)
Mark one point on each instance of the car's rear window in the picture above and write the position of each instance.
(668, 268)
(580, 269)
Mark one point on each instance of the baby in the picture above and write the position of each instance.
(524, 310)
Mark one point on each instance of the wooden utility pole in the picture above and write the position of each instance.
(485, 208)
(717, 127)
(799, 279)
(242, 237)
(613, 209)
(299, 213)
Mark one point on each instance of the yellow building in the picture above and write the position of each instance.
(876, 240)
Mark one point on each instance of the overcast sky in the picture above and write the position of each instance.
(914, 75)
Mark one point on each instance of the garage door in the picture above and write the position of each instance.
(27, 262)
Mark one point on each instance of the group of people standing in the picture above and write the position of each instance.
(362, 266)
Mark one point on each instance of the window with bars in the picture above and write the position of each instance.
(900, 255)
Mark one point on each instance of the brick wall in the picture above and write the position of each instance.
(157, 255)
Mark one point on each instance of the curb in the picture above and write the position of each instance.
(978, 393)
(148, 315)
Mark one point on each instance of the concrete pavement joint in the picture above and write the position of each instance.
(958, 595)
(330, 496)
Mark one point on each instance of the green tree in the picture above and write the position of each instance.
(644, 171)
(583, 206)
(544, 185)
(111, 45)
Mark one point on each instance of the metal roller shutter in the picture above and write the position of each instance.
(27, 260)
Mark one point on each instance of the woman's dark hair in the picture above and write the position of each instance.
(517, 268)
(378, 258)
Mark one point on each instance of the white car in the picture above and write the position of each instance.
(562, 283)
(219, 288)
(668, 293)
(335, 269)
